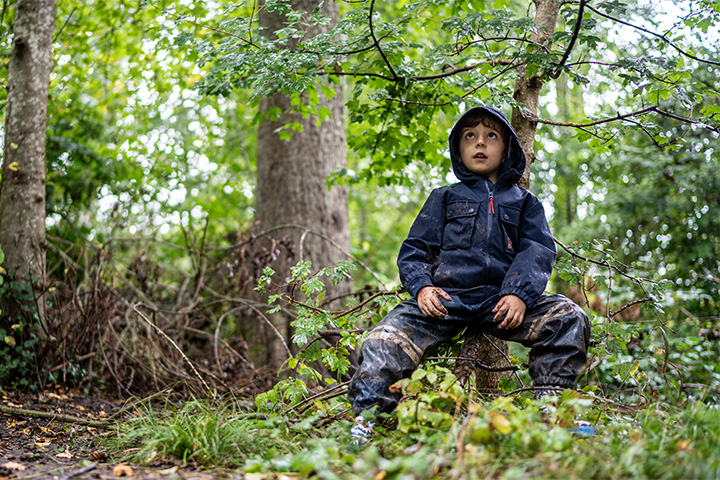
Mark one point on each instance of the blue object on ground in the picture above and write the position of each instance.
(583, 430)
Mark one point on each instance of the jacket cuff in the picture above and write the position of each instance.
(520, 293)
(413, 286)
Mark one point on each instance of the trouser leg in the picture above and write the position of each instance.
(558, 333)
(392, 351)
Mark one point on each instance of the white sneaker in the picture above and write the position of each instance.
(362, 431)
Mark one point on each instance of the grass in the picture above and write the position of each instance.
(505, 438)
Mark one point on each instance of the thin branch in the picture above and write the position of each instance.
(377, 43)
(576, 32)
(503, 39)
(54, 417)
(2, 13)
(203, 26)
(624, 116)
(603, 263)
(67, 20)
(654, 34)
(256, 310)
(477, 364)
(78, 471)
(467, 94)
(172, 342)
(318, 234)
(366, 301)
(630, 304)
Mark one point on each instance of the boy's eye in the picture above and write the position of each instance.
(492, 135)
(469, 135)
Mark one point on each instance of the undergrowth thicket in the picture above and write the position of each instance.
(648, 393)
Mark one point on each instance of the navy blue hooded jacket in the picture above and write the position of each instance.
(475, 239)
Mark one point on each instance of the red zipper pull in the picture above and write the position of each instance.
(491, 210)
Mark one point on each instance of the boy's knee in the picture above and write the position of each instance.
(564, 316)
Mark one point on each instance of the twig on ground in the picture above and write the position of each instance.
(22, 412)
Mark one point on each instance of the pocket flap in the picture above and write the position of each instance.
(461, 209)
(509, 215)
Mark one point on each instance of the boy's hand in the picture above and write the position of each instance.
(428, 300)
(512, 308)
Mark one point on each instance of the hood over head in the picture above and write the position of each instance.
(512, 168)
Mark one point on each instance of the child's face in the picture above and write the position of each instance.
(482, 150)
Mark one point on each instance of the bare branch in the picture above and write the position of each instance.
(576, 31)
(654, 34)
(377, 43)
(625, 116)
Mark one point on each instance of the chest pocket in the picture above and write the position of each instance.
(509, 222)
(459, 224)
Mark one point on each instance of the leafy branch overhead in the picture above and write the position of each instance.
(410, 63)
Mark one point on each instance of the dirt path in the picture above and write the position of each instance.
(42, 447)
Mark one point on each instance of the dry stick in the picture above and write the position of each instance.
(318, 234)
(477, 364)
(217, 334)
(326, 397)
(78, 472)
(319, 395)
(54, 417)
(157, 329)
(254, 309)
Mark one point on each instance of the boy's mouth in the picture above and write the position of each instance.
(480, 155)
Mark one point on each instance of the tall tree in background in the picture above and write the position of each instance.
(22, 193)
(292, 170)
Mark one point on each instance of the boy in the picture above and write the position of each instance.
(478, 255)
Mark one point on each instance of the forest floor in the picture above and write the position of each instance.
(35, 443)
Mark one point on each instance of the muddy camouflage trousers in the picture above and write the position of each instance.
(555, 329)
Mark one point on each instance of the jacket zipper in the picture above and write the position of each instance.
(491, 212)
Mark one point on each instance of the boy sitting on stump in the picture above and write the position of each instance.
(478, 255)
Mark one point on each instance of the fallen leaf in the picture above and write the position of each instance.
(55, 396)
(682, 445)
(500, 422)
(168, 471)
(122, 471)
(14, 466)
(65, 454)
(395, 388)
(255, 476)
(381, 475)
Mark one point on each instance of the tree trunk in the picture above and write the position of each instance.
(291, 177)
(22, 192)
(527, 92)
(527, 89)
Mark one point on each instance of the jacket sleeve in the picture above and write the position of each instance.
(422, 246)
(530, 270)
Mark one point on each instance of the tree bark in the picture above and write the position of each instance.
(22, 192)
(291, 177)
(527, 92)
(527, 89)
